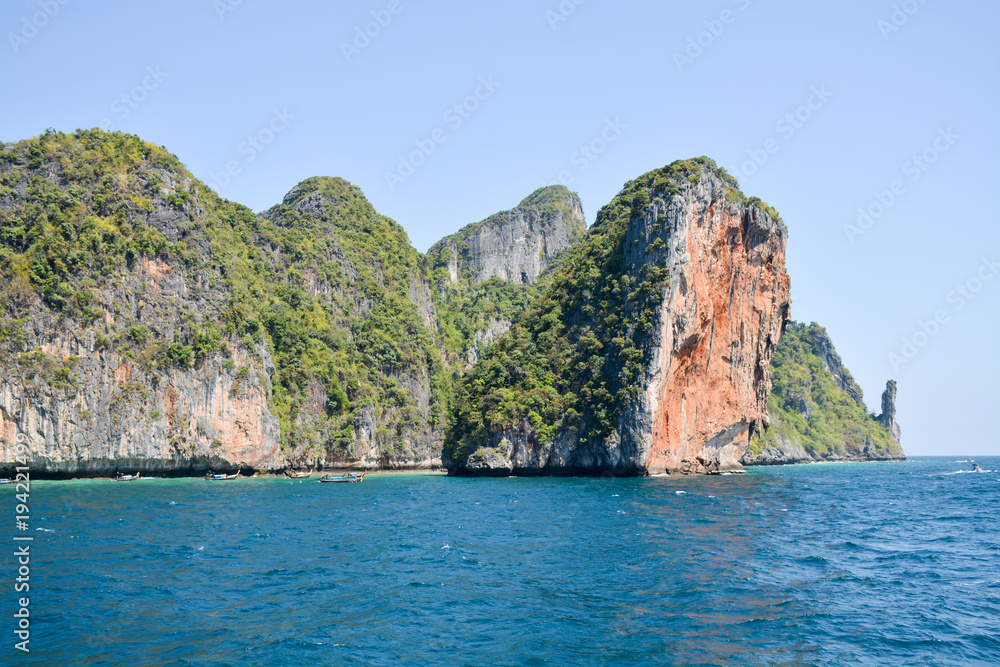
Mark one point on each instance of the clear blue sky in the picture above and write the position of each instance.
(200, 77)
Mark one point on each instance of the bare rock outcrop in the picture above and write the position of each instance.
(515, 245)
(724, 313)
(90, 401)
(815, 411)
(888, 417)
(659, 333)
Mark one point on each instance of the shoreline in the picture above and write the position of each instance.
(250, 473)
(442, 472)
(417, 472)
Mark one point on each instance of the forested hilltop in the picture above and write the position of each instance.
(146, 323)
(648, 349)
(817, 411)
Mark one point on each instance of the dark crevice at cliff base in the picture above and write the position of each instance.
(538, 472)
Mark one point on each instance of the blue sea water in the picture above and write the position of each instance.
(822, 564)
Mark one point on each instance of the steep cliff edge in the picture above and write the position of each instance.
(115, 344)
(485, 275)
(359, 380)
(516, 245)
(649, 350)
(816, 410)
(148, 324)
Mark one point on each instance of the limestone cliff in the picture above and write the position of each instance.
(649, 350)
(888, 417)
(517, 245)
(147, 324)
(356, 342)
(816, 412)
(112, 348)
(485, 275)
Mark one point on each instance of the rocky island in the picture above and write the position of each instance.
(649, 351)
(817, 412)
(148, 324)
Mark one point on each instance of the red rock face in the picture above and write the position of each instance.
(726, 307)
(720, 316)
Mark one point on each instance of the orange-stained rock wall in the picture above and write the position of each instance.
(726, 307)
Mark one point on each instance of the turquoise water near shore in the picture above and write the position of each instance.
(821, 564)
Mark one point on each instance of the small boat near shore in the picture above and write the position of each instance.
(297, 474)
(126, 478)
(220, 477)
(349, 478)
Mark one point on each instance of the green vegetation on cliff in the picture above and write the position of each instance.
(572, 360)
(369, 339)
(808, 405)
(323, 280)
(367, 336)
(75, 211)
(468, 306)
(344, 316)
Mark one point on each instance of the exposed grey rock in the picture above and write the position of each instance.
(516, 245)
(831, 360)
(89, 409)
(482, 338)
(888, 417)
(421, 297)
(491, 461)
(787, 451)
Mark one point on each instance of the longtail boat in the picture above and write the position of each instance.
(297, 474)
(349, 478)
(219, 477)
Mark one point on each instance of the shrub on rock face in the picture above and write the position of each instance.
(581, 355)
(816, 410)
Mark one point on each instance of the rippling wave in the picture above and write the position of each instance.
(870, 564)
